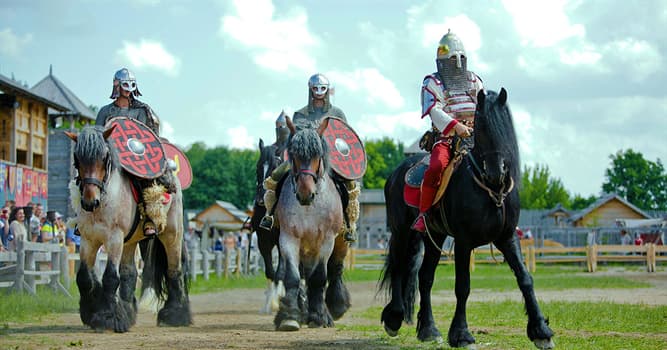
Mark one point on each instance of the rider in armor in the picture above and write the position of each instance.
(449, 98)
(282, 132)
(154, 192)
(319, 106)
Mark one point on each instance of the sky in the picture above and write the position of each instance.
(586, 79)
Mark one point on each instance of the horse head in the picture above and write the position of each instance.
(94, 160)
(269, 159)
(495, 154)
(307, 152)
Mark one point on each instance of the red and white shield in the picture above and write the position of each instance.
(347, 155)
(183, 169)
(139, 149)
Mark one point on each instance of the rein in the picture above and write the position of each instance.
(497, 197)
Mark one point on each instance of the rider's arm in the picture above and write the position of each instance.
(433, 107)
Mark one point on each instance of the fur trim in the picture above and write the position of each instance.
(154, 207)
(270, 199)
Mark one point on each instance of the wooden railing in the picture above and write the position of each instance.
(650, 253)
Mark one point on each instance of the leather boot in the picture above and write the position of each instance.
(425, 201)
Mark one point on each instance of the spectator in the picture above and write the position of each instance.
(626, 239)
(35, 221)
(48, 232)
(229, 241)
(527, 234)
(17, 230)
(380, 243)
(4, 226)
(217, 247)
(519, 232)
(638, 239)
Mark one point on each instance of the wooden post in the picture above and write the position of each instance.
(228, 259)
(30, 266)
(237, 271)
(218, 264)
(65, 271)
(20, 266)
(472, 260)
(193, 264)
(204, 264)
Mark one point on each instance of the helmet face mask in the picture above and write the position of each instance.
(319, 90)
(124, 79)
(451, 61)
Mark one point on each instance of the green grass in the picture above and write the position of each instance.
(25, 308)
(502, 325)
(215, 284)
(500, 278)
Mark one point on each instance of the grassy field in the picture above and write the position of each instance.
(496, 325)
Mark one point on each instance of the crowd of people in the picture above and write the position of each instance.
(31, 223)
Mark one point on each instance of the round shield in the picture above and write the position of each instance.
(347, 155)
(139, 149)
(183, 169)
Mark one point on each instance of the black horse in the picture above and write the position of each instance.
(269, 159)
(480, 206)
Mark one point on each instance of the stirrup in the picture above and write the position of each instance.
(267, 222)
(420, 224)
(350, 236)
(149, 229)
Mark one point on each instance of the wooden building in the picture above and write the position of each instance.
(221, 215)
(24, 151)
(606, 211)
(60, 146)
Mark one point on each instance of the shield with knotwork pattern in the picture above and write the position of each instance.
(347, 155)
(139, 150)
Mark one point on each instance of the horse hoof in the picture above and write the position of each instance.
(390, 332)
(544, 344)
(289, 326)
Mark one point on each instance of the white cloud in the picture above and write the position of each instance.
(151, 55)
(586, 56)
(637, 56)
(377, 88)
(239, 138)
(12, 44)
(402, 125)
(542, 23)
(278, 44)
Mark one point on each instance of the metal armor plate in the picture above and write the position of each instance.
(347, 155)
(139, 150)
(183, 169)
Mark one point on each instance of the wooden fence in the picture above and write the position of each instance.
(43, 263)
(650, 253)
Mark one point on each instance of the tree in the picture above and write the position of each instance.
(220, 174)
(641, 182)
(540, 191)
(383, 156)
(579, 202)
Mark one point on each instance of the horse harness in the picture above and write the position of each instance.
(134, 185)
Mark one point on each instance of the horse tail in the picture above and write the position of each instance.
(405, 249)
(155, 268)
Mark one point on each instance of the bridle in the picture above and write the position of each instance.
(306, 171)
(81, 182)
(498, 197)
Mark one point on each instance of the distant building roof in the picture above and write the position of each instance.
(238, 213)
(52, 88)
(558, 210)
(604, 199)
(9, 85)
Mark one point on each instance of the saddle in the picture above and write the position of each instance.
(415, 175)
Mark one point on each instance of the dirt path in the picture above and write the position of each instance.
(231, 320)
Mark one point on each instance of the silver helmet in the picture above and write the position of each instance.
(318, 86)
(282, 132)
(451, 61)
(124, 79)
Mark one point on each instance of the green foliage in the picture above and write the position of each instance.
(383, 157)
(641, 182)
(540, 191)
(220, 174)
(579, 202)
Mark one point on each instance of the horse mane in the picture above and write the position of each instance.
(91, 146)
(307, 144)
(499, 127)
